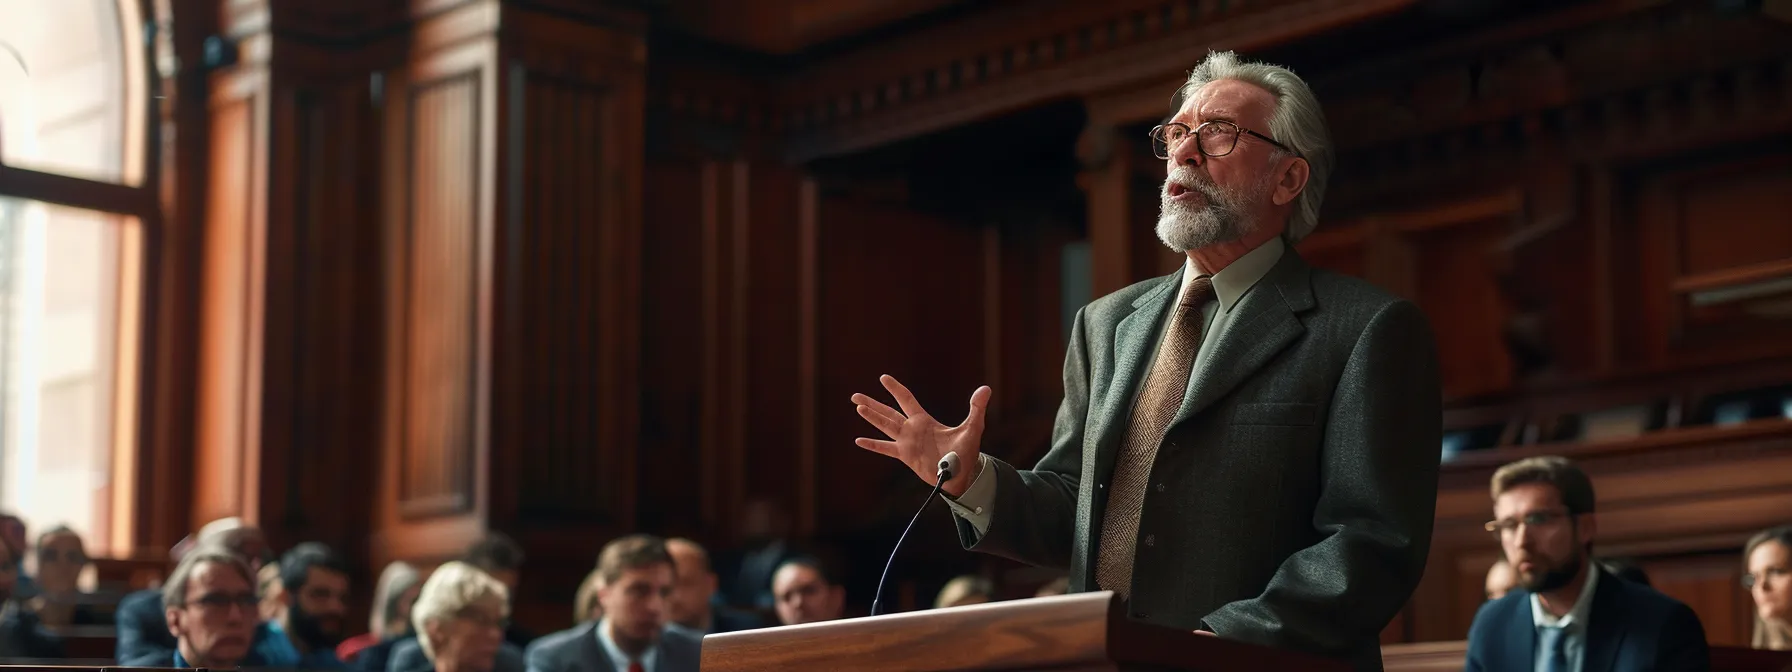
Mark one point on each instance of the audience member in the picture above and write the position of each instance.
(1564, 615)
(964, 590)
(1057, 586)
(209, 605)
(459, 619)
(144, 633)
(21, 635)
(388, 621)
(1500, 579)
(585, 607)
(638, 577)
(61, 557)
(314, 604)
(267, 585)
(1767, 574)
(806, 593)
(502, 558)
(13, 531)
(692, 607)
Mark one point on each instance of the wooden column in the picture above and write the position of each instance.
(284, 421)
(512, 237)
(1107, 182)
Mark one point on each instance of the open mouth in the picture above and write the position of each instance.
(1178, 192)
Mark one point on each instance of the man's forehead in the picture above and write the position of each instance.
(1228, 99)
(1527, 497)
(214, 576)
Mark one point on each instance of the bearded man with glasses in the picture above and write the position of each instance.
(1567, 614)
(1247, 447)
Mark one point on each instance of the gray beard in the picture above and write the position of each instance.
(1183, 227)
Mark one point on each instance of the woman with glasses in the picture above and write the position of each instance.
(61, 557)
(1767, 574)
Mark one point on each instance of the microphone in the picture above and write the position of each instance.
(948, 468)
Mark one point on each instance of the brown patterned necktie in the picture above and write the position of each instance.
(1155, 407)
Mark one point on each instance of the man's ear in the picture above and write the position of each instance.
(175, 626)
(1293, 181)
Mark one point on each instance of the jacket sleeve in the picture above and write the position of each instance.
(1377, 498)
(1033, 519)
(1682, 644)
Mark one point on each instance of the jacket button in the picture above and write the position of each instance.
(1160, 487)
(1150, 540)
(1140, 615)
(1101, 486)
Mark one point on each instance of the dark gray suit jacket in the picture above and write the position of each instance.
(1292, 498)
(577, 650)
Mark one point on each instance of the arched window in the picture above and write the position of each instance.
(75, 201)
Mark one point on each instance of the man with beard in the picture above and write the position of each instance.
(1566, 614)
(313, 604)
(638, 577)
(1247, 447)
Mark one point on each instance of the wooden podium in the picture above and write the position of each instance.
(1085, 631)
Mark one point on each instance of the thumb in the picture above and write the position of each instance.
(979, 405)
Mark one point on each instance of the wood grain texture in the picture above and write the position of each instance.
(1083, 631)
(1448, 657)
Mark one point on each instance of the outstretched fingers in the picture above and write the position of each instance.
(891, 427)
(904, 398)
(877, 446)
(881, 408)
(979, 405)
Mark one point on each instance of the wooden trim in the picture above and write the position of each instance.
(76, 192)
(1732, 277)
(808, 342)
(1148, 61)
(1760, 430)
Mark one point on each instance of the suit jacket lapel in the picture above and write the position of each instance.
(1135, 341)
(1263, 323)
(594, 653)
(1604, 632)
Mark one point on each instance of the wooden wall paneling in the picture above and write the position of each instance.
(170, 402)
(226, 455)
(673, 342)
(566, 386)
(439, 170)
(1108, 184)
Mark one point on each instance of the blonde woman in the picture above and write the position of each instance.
(965, 590)
(1767, 567)
(459, 617)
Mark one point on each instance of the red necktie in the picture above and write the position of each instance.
(635, 666)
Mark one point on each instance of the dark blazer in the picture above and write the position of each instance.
(577, 650)
(143, 628)
(22, 635)
(1630, 627)
(407, 656)
(1291, 500)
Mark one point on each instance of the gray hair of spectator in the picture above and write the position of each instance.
(451, 589)
(397, 578)
(174, 592)
(1297, 122)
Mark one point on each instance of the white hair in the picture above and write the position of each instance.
(450, 589)
(1297, 122)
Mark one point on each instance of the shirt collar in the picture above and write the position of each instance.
(619, 659)
(1576, 618)
(1231, 283)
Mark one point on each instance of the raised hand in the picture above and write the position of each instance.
(919, 441)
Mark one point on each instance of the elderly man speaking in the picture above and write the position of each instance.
(1247, 447)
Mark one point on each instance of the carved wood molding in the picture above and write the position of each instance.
(1002, 61)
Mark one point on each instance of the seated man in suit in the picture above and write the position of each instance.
(638, 577)
(211, 612)
(144, 636)
(1566, 614)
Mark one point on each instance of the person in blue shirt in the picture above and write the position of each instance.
(313, 604)
(210, 607)
(1566, 613)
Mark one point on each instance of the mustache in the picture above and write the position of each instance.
(1188, 178)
